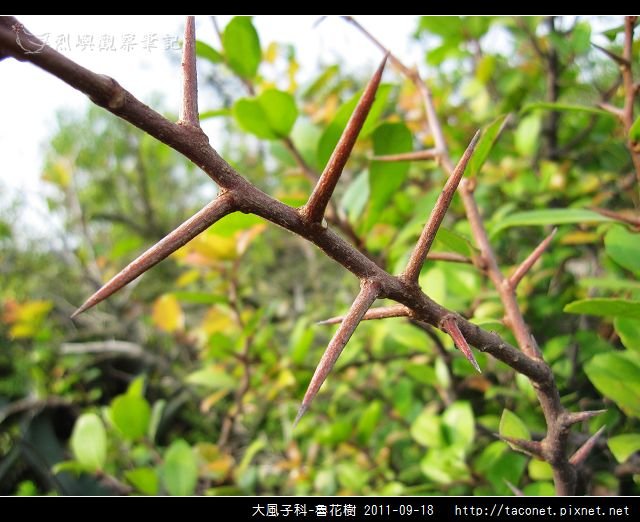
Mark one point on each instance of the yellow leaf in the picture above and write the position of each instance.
(33, 311)
(167, 314)
(218, 320)
(271, 53)
(22, 330)
(58, 173)
(207, 250)
(211, 400)
(186, 278)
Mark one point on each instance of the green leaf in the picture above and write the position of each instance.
(554, 216)
(490, 135)
(454, 242)
(356, 196)
(242, 46)
(89, 442)
(213, 377)
(557, 106)
(136, 388)
(385, 178)
(300, 341)
(609, 283)
(269, 116)
(539, 489)
(634, 131)
(215, 113)
(606, 307)
(179, 471)
(368, 421)
(156, 417)
(623, 247)
(512, 426)
(617, 376)
(251, 117)
(444, 465)
(527, 135)
(540, 470)
(280, 110)
(427, 430)
(623, 446)
(144, 480)
(130, 414)
(629, 332)
(459, 425)
(204, 50)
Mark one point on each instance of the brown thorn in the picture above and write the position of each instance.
(616, 58)
(418, 155)
(189, 115)
(369, 292)
(429, 231)
(530, 447)
(570, 419)
(218, 208)
(526, 265)
(382, 312)
(450, 325)
(583, 451)
(516, 491)
(314, 209)
(618, 216)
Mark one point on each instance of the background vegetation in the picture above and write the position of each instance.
(188, 380)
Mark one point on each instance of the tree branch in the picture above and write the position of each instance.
(383, 312)
(526, 265)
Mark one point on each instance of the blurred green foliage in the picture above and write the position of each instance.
(187, 382)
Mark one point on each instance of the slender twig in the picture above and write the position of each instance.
(218, 208)
(369, 292)
(629, 91)
(452, 257)
(619, 216)
(616, 111)
(571, 418)
(429, 231)
(189, 113)
(585, 450)
(526, 265)
(315, 207)
(418, 155)
(383, 312)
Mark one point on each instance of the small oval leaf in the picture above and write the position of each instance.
(89, 442)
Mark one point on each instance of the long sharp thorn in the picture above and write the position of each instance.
(526, 265)
(375, 313)
(189, 115)
(368, 294)
(530, 447)
(583, 451)
(581, 416)
(219, 207)
(429, 231)
(319, 199)
(616, 58)
(450, 325)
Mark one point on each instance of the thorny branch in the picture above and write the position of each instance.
(238, 194)
(554, 445)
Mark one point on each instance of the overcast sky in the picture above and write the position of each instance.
(137, 51)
